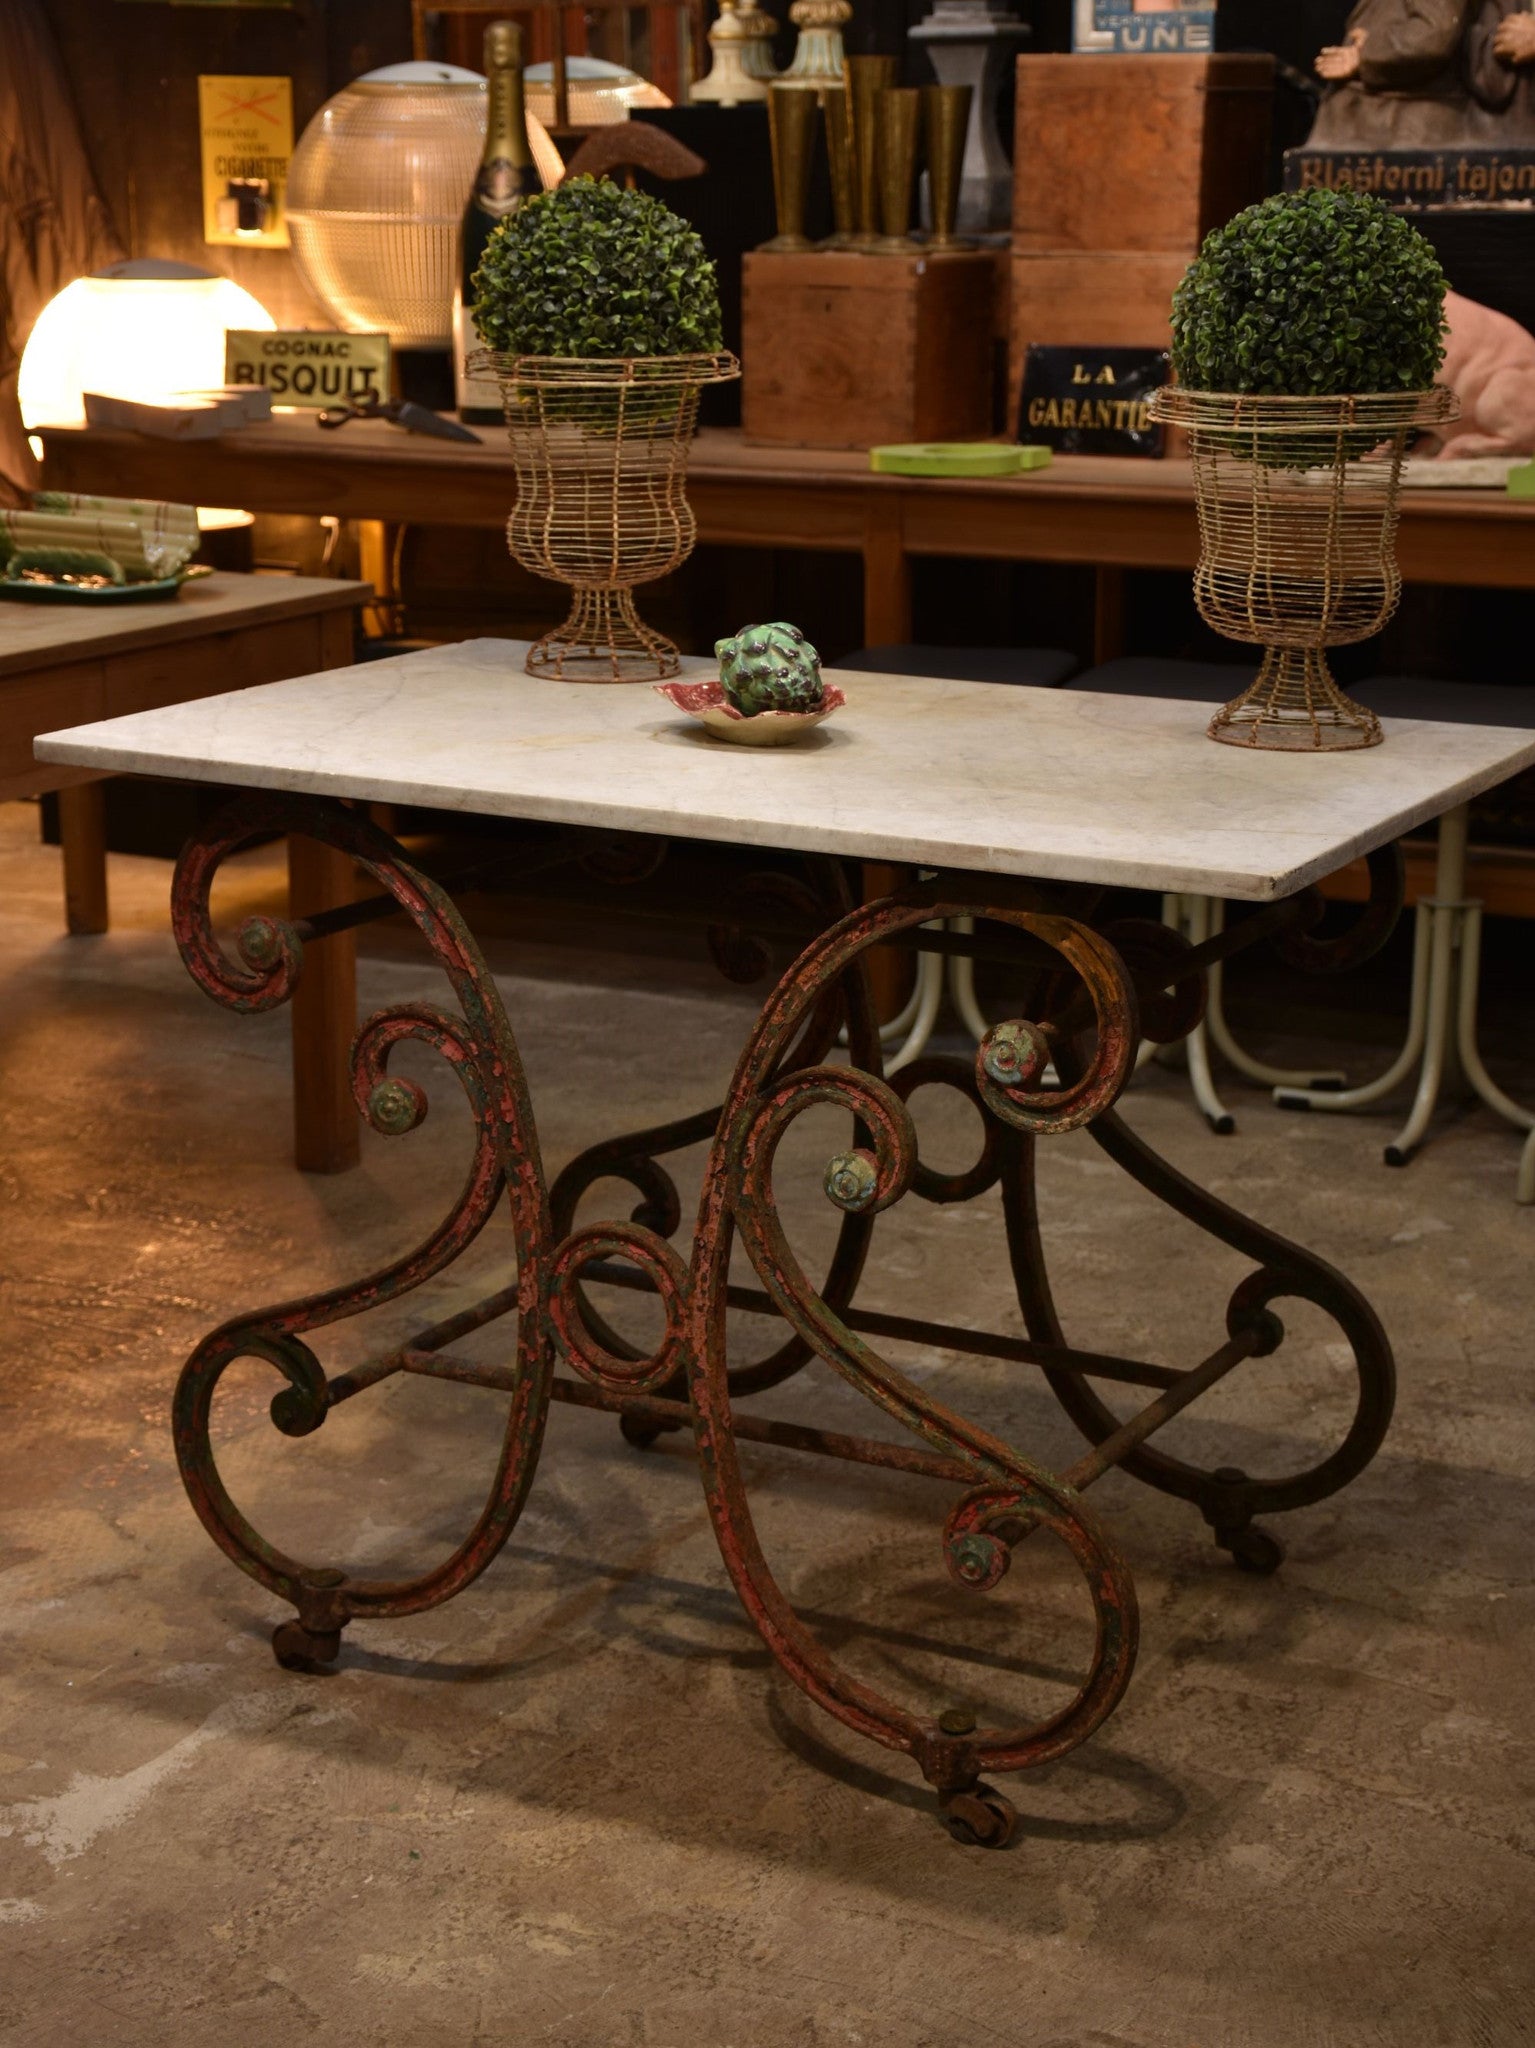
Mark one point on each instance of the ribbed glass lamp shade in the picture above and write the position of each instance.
(599, 92)
(376, 195)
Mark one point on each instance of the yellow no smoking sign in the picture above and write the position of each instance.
(247, 143)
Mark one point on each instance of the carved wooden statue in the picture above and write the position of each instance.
(1397, 78)
(1500, 65)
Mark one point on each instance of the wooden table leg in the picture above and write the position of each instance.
(83, 841)
(890, 968)
(376, 561)
(325, 1120)
(886, 577)
(886, 623)
(1109, 614)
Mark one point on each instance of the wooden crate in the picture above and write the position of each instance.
(1120, 152)
(841, 350)
(1122, 166)
(1110, 299)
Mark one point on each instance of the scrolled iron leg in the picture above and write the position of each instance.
(1005, 1493)
(476, 1044)
(1227, 1498)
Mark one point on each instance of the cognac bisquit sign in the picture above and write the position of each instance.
(1092, 401)
(308, 368)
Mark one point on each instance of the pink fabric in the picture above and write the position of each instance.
(1490, 365)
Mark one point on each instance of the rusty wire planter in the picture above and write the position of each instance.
(600, 447)
(1097, 992)
(1298, 505)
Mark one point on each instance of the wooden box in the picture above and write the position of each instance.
(1137, 152)
(840, 350)
(1112, 299)
(1122, 166)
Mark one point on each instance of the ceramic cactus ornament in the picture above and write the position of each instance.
(770, 668)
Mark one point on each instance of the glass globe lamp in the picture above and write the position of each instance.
(598, 92)
(142, 329)
(376, 195)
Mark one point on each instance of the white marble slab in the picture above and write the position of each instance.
(1062, 784)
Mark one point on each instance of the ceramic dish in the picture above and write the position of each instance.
(110, 593)
(708, 703)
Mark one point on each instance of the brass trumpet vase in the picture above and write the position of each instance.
(897, 131)
(945, 124)
(1299, 500)
(791, 131)
(600, 447)
(837, 114)
(867, 78)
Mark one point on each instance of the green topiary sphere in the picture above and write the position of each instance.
(1312, 294)
(592, 270)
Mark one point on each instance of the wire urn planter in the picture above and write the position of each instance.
(600, 446)
(1298, 506)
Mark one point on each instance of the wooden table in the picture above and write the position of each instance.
(987, 790)
(68, 663)
(1113, 513)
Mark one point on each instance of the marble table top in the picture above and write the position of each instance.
(1064, 785)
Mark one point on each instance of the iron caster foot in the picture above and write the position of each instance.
(296, 1648)
(1253, 1550)
(979, 1817)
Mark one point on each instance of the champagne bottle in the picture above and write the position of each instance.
(506, 178)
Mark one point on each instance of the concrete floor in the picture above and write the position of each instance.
(580, 1806)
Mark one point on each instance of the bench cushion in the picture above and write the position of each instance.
(1045, 668)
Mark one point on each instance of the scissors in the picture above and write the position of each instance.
(400, 412)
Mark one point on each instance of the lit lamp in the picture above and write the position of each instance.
(143, 329)
(376, 192)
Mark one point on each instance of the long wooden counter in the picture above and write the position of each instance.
(1112, 513)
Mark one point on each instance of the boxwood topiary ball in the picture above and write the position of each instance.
(1311, 294)
(590, 269)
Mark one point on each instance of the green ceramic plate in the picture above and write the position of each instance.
(112, 593)
(957, 458)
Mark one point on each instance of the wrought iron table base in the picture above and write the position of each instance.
(1095, 993)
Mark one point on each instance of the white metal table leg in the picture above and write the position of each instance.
(929, 995)
(1472, 1063)
(1406, 1060)
(900, 1024)
(1431, 1007)
(1443, 920)
(1226, 1045)
(962, 987)
(913, 1024)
